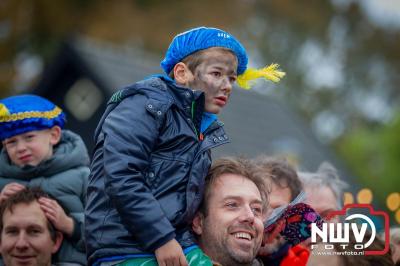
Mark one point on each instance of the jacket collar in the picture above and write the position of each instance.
(183, 96)
(207, 120)
(191, 101)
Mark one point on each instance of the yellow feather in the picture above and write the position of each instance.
(270, 72)
(3, 110)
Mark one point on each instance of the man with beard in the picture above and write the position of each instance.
(229, 223)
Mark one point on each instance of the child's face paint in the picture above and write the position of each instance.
(215, 75)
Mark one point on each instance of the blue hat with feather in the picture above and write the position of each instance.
(201, 38)
(24, 113)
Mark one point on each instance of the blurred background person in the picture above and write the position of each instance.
(281, 180)
(394, 236)
(395, 244)
(324, 189)
(283, 187)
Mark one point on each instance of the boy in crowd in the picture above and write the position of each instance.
(37, 152)
(152, 153)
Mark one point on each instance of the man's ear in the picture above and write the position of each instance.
(182, 74)
(55, 135)
(197, 224)
(57, 243)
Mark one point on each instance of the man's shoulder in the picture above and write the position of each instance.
(153, 88)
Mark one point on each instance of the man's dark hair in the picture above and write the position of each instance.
(280, 172)
(231, 165)
(27, 195)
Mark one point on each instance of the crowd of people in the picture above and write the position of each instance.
(151, 193)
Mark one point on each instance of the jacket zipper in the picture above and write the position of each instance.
(199, 135)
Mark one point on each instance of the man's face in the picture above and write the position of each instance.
(232, 230)
(215, 75)
(279, 196)
(25, 238)
(31, 148)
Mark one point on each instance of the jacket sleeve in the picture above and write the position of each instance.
(130, 135)
(78, 217)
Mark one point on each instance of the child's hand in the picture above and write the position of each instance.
(10, 189)
(55, 213)
(171, 254)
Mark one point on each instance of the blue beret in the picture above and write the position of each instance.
(201, 38)
(24, 113)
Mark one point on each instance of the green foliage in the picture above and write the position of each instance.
(374, 156)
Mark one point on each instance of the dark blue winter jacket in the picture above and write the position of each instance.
(148, 169)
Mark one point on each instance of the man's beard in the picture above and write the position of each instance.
(226, 255)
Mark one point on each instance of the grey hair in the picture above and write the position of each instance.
(326, 176)
(394, 235)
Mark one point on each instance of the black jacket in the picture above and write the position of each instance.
(148, 169)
